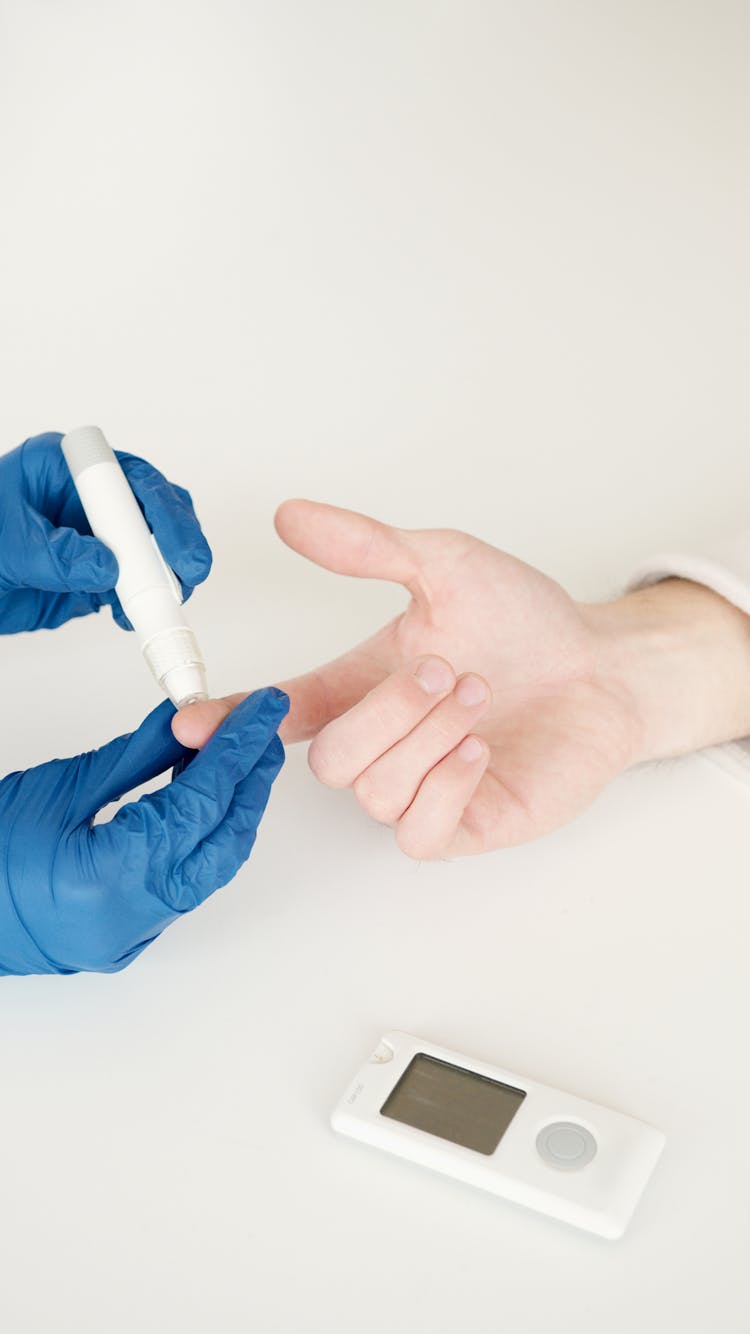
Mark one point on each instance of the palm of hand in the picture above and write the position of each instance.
(555, 729)
(557, 733)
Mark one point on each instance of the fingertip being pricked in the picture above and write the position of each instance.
(196, 723)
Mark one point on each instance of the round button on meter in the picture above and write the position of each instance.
(566, 1145)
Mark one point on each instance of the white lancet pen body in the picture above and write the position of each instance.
(148, 590)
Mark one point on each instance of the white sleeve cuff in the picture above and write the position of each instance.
(724, 567)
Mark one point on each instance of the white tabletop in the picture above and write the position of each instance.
(455, 266)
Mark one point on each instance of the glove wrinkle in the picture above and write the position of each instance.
(77, 896)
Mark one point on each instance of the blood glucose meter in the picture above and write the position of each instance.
(553, 1152)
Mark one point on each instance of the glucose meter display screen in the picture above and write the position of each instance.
(456, 1104)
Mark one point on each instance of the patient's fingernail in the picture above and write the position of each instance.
(470, 691)
(434, 676)
(470, 749)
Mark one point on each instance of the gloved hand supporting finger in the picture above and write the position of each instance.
(219, 856)
(202, 826)
(123, 764)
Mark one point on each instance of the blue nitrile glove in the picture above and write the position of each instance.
(76, 896)
(51, 568)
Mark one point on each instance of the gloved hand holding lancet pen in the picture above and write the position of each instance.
(147, 588)
(77, 892)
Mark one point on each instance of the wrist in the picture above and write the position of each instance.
(678, 655)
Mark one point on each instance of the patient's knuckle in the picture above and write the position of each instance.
(324, 761)
(375, 799)
(317, 759)
(414, 843)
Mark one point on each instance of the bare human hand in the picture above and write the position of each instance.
(495, 707)
(479, 718)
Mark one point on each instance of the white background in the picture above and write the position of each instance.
(467, 264)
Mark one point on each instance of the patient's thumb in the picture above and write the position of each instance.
(346, 542)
